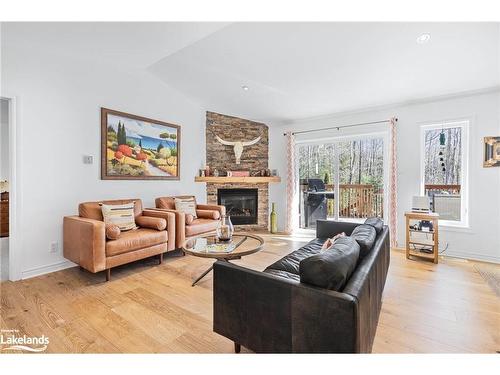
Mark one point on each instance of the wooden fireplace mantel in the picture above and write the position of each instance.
(247, 180)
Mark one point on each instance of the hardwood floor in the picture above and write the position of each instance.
(445, 307)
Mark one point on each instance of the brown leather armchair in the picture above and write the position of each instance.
(208, 217)
(85, 242)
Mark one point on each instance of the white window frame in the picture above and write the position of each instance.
(464, 176)
(384, 134)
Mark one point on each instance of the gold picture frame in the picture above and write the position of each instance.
(491, 152)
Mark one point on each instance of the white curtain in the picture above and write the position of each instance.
(393, 184)
(290, 182)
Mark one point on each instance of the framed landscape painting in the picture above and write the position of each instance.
(138, 148)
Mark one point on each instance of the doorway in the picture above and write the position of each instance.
(342, 178)
(4, 188)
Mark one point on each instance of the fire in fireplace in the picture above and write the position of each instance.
(241, 204)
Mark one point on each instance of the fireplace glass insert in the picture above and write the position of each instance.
(241, 205)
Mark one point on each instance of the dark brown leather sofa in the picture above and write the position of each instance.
(274, 312)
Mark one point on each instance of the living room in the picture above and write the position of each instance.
(223, 187)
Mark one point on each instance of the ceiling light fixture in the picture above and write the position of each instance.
(244, 88)
(424, 38)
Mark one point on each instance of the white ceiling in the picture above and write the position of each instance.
(293, 70)
(127, 45)
(297, 70)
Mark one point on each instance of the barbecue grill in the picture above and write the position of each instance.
(314, 202)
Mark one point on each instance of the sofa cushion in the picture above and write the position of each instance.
(157, 223)
(365, 236)
(290, 263)
(199, 226)
(208, 214)
(375, 222)
(186, 205)
(188, 219)
(284, 274)
(112, 231)
(121, 215)
(331, 269)
(169, 202)
(135, 240)
(93, 210)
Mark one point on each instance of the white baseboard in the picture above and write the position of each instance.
(462, 255)
(42, 270)
(472, 256)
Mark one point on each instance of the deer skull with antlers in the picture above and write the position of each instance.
(238, 146)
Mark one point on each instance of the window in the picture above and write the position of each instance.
(444, 170)
(351, 168)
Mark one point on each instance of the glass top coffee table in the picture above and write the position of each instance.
(209, 247)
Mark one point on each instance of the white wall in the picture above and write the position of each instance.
(482, 239)
(58, 121)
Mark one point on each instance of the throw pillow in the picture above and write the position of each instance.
(331, 269)
(375, 222)
(122, 215)
(112, 232)
(329, 242)
(186, 205)
(208, 214)
(157, 223)
(189, 219)
(365, 235)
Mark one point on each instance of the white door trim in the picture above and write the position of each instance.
(15, 246)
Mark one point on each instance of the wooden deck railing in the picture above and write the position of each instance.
(433, 188)
(358, 201)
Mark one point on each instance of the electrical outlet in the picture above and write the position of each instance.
(88, 159)
(54, 247)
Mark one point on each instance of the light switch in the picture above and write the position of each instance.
(88, 159)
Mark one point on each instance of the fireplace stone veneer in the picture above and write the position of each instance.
(262, 202)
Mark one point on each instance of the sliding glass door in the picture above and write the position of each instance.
(341, 178)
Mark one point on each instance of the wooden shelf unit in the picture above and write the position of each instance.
(434, 244)
(251, 180)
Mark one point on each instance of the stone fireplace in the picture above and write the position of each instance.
(246, 199)
(241, 204)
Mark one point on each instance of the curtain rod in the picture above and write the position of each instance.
(341, 127)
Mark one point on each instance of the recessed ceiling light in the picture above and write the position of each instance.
(244, 88)
(424, 38)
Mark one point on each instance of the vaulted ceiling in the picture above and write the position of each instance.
(292, 70)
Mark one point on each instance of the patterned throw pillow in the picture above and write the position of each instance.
(186, 205)
(121, 215)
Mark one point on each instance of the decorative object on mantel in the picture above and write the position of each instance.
(138, 148)
(240, 173)
(274, 219)
(235, 179)
(238, 145)
(491, 152)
